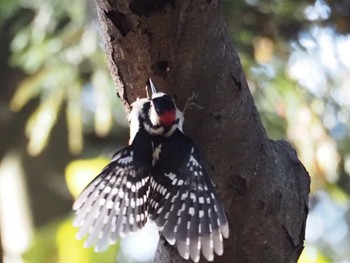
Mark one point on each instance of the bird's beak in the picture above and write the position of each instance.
(153, 88)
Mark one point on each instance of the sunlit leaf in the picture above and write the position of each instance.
(33, 57)
(27, 90)
(263, 49)
(81, 172)
(42, 23)
(56, 243)
(338, 194)
(41, 122)
(327, 158)
(103, 116)
(21, 40)
(71, 250)
(312, 255)
(71, 36)
(74, 119)
(43, 248)
(7, 8)
(88, 42)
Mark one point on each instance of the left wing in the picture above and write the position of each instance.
(114, 203)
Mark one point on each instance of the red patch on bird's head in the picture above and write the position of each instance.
(167, 119)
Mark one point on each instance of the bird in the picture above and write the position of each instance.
(160, 176)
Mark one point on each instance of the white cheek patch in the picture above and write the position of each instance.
(134, 117)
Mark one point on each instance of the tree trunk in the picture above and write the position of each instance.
(185, 48)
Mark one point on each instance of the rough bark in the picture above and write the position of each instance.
(185, 48)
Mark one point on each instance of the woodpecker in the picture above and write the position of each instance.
(159, 176)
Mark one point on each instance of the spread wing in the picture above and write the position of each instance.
(114, 203)
(184, 203)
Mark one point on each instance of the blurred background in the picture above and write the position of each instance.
(60, 119)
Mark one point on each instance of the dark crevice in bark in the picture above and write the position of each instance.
(239, 185)
(160, 68)
(120, 21)
(146, 8)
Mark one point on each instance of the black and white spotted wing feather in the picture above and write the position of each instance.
(115, 202)
(183, 201)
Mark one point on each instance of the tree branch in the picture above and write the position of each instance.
(184, 47)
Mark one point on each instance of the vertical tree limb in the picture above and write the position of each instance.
(185, 48)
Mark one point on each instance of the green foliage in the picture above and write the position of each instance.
(313, 255)
(58, 49)
(56, 243)
(7, 8)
